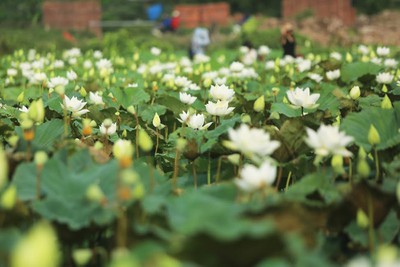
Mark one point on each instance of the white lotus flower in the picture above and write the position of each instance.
(196, 121)
(97, 54)
(220, 108)
(304, 65)
(363, 49)
(376, 60)
(270, 65)
(108, 127)
(264, 50)
(75, 106)
(12, 72)
(38, 78)
(382, 51)
(104, 64)
(23, 109)
(333, 74)
(302, 98)
(253, 178)
(58, 64)
(187, 98)
(184, 117)
(87, 64)
(315, 76)
(221, 92)
(327, 140)
(155, 51)
(219, 80)
(252, 141)
(71, 75)
(57, 82)
(384, 78)
(390, 63)
(182, 81)
(95, 98)
(236, 66)
(336, 55)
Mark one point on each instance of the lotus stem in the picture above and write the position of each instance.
(217, 177)
(194, 174)
(377, 169)
(288, 181)
(371, 233)
(157, 133)
(209, 169)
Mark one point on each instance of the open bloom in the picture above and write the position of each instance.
(333, 74)
(384, 78)
(187, 98)
(327, 140)
(75, 106)
(184, 117)
(252, 141)
(95, 98)
(221, 92)
(71, 75)
(253, 178)
(383, 51)
(57, 82)
(196, 121)
(220, 108)
(302, 98)
(315, 76)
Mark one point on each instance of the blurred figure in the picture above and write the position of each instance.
(288, 40)
(200, 40)
(171, 24)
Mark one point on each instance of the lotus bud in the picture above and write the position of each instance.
(145, 142)
(272, 80)
(361, 153)
(129, 177)
(337, 164)
(355, 92)
(36, 111)
(207, 82)
(107, 123)
(384, 88)
(20, 97)
(82, 256)
(87, 128)
(373, 136)
(363, 168)
(124, 133)
(3, 167)
(113, 80)
(259, 104)
(83, 92)
(13, 140)
(94, 193)
(132, 110)
(9, 197)
(362, 219)
(138, 191)
(156, 120)
(386, 103)
(245, 118)
(98, 145)
(136, 56)
(387, 255)
(181, 144)
(275, 91)
(274, 115)
(234, 159)
(40, 158)
(123, 151)
(39, 247)
(349, 58)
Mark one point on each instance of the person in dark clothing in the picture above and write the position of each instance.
(288, 40)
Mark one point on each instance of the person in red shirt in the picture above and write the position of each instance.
(175, 20)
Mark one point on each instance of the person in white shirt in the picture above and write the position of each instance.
(200, 40)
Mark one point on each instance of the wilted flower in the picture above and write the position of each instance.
(196, 121)
(251, 141)
(253, 178)
(71, 75)
(333, 75)
(384, 78)
(302, 98)
(108, 127)
(221, 92)
(327, 140)
(220, 108)
(187, 98)
(383, 51)
(75, 106)
(95, 98)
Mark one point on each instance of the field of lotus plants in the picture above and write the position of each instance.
(240, 158)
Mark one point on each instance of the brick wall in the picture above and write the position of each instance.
(341, 9)
(207, 14)
(75, 15)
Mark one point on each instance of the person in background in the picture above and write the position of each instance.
(175, 20)
(288, 40)
(200, 40)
